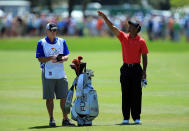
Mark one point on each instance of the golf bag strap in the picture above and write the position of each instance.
(74, 84)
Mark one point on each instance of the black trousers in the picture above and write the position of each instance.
(130, 79)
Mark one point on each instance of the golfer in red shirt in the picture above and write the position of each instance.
(133, 47)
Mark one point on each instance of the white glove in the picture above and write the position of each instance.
(144, 83)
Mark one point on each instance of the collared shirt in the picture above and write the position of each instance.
(40, 50)
(132, 48)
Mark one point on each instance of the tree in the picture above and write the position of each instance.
(71, 4)
(179, 3)
(133, 1)
(49, 5)
(160, 4)
(84, 6)
(43, 4)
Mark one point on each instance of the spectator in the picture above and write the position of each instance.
(170, 28)
(187, 29)
(176, 31)
(149, 29)
(157, 26)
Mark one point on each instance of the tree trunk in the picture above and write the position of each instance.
(71, 4)
(84, 6)
(49, 5)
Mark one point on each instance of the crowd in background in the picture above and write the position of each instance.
(156, 26)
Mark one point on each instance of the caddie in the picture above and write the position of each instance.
(52, 52)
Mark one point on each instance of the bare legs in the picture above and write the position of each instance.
(62, 103)
(50, 107)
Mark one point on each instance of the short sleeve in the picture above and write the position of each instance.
(122, 37)
(39, 50)
(66, 51)
(144, 49)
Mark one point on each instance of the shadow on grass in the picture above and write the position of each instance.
(46, 126)
(120, 124)
(42, 127)
(130, 124)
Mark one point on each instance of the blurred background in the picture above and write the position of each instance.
(165, 28)
(160, 19)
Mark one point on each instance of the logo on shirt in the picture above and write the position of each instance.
(54, 51)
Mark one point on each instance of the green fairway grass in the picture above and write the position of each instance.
(165, 104)
(93, 44)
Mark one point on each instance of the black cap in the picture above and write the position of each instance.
(135, 23)
(132, 22)
(51, 26)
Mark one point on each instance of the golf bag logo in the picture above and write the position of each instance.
(85, 106)
(82, 106)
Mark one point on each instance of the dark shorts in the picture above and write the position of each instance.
(51, 87)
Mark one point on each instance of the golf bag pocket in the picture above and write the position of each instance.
(93, 100)
(82, 106)
(87, 105)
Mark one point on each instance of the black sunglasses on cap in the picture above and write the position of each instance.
(53, 30)
(52, 27)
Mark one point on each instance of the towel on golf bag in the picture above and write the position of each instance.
(85, 106)
(86, 103)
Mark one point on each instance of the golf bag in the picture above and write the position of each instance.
(85, 106)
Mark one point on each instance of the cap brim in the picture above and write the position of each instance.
(133, 23)
(54, 28)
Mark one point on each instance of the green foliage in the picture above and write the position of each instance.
(160, 4)
(179, 3)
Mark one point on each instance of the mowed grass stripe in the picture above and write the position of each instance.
(93, 44)
(165, 100)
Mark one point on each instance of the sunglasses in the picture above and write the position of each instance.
(53, 30)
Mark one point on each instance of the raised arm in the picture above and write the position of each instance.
(109, 23)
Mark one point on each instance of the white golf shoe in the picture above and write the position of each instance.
(125, 122)
(137, 121)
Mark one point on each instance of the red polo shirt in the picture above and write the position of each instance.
(132, 48)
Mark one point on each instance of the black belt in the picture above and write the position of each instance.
(131, 65)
